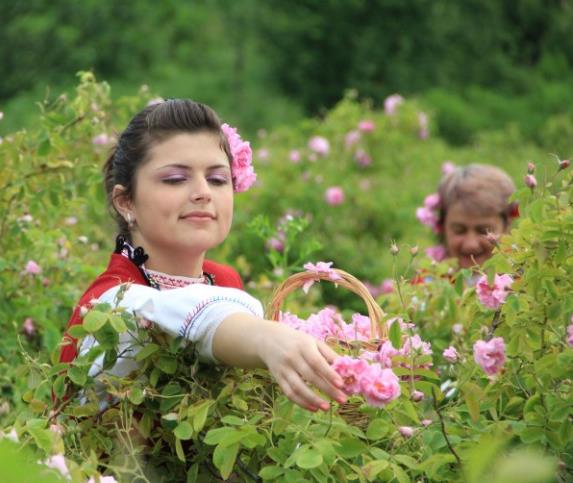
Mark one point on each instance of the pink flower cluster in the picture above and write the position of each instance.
(244, 175)
(328, 323)
(379, 386)
(391, 104)
(493, 296)
(490, 355)
(334, 195)
(451, 354)
(319, 268)
(319, 145)
(428, 214)
(412, 347)
(436, 253)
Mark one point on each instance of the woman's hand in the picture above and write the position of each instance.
(295, 360)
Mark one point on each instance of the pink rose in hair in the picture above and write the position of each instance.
(352, 372)
(493, 296)
(380, 386)
(427, 217)
(451, 354)
(490, 355)
(242, 170)
(391, 103)
(366, 125)
(319, 145)
(334, 195)
(436, 253)
(432, 202)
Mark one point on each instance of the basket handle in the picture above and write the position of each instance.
(378, 330)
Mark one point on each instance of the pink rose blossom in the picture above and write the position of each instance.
(564, 164)
(352, 372)
(58, 462)
(530, 181)
(436, 253)
(494, 296)
(32, 268)
(387, 285)
(294, 156)
(426, 422)
(432, 201)
(427, 217)
(448, 167)
(417, 396)
(570, 335)
(366, 125)
(391, 103)
(319, 145)
(351, 139)
(101, 139)
(386, 353)
(490, 355)
(334, 195)
(530, 168)
(451, 354)
(362, 158)
(457, 329)
(406, 431)
(424, 132)
(380, 386)
(242, 170)
(276, 243)
(319, 268)
(28, 327)
(414, 344)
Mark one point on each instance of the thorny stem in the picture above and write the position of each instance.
(494, 324)
(443, 427)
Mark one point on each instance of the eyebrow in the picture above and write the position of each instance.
(189, 168)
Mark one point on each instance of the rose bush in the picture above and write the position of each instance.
(479, 387)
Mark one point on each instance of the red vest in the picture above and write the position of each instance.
(122, 270)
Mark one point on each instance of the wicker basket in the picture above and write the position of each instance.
(378, 330)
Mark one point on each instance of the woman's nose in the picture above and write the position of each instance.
(200, 191)
(471, 243)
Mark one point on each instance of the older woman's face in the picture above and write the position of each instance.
(465, 234)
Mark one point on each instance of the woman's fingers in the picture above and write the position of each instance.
(326, 385)
(301, 392)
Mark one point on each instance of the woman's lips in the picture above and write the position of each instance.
(199, 216)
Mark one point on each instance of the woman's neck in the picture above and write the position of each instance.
(182, 264)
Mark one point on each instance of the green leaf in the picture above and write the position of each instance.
(395, 335)
(60, 386)
(400, 474)
(407, 461)
(78, 375)
(147, 350)
(377, 428)
(372, 469)
(135, 395)
(183, 431)
(217, 435)
(167, 364)
(531, 434)
(233, 420)
(77, 331)
(307, 457)
(224, 458)
(351, 447)
(271, 472)
(473, 394)
(117, 323)
(198, 412)
(179, 450)
(94, 320)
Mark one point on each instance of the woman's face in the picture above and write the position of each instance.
(465, 234)
(183, 200)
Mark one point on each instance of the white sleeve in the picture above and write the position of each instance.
(193, 312)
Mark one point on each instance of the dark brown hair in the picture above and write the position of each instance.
(154, 124)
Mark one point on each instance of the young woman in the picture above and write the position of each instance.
(473, 209)
(170, 183)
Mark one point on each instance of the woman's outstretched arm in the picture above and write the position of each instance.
(294, 359)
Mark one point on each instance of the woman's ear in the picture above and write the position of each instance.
(121, 201)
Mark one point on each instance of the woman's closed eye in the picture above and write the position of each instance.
(218, 179)
(174, 179)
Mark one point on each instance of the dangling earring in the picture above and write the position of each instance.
(129, 221)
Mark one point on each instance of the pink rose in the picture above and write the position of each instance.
(276, 243)
(334, 195)
(362, 158)
(417, 396)
(28, 327)
(432, 201)
(33, 268)
(385, 354)
(490, 355)
(318, 268)
(406, 431)
(366, 125)
(451, 354)
(352, 372)
(319, 145)
(387, 285)
(294, 156)
(448, 167)
(101, 139)
(530, 181)
(570, 335)
(391, 103)
(457, 329)
(427, 217)
(380, 386)
(426, 422)
(351, 138)
(493, 296)
(436, 253)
